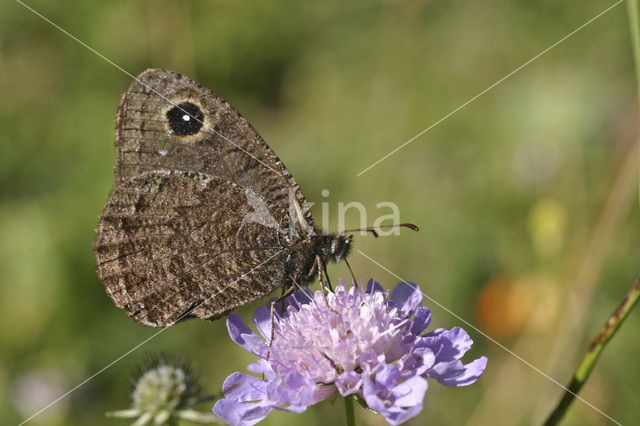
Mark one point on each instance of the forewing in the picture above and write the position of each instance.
(224, 146)
(171, 243)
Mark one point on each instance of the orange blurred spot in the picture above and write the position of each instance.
(504, 307)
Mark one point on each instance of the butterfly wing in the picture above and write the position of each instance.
(151, 134)
(165, 246)
(202, 214)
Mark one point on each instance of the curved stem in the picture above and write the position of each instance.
(633, 9)
(597, 346)
(349, 410)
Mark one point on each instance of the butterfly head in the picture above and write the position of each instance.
(339, 247)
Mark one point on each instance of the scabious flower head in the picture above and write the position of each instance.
(164, 389)
(366, 342)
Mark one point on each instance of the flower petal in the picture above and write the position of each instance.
(238, 413)
(242, 387)
(244, 336)
(373, 286)
(262, 320)
(298, 299)
(348, 383)
(387, 376)
(262, 367)
(411, 392)
(246, 400)
(447, 344)
(370, 361)
(421, 320)
(455, 373)
(407, 297)
(298, 392)
(396, 404)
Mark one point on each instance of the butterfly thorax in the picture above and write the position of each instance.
(305, 259)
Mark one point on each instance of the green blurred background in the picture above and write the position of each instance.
(526, 198)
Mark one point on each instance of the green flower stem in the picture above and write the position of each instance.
(633, 9)
(597, 345)
(349, 410)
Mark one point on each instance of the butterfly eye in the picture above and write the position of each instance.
(185, 119)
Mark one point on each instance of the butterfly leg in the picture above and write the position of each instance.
(323, 267)
(326, 275)
(350, 270)
(272, 314)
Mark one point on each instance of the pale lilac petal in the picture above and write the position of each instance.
(421, 320)
(455, 373)
(322, 392)
(400, 347)
(427, 357)
(411, 392)
(387, 376)
(418, 362)
(370, 361)
(240, 414)
(298, 392)
(262, 367)
(299, 389)
(375, 394)
(246, 400)
(384, 400)
(448, 344)
(244, 336)
(262, 320)
(348, 382)
(373, 286)
(407, 297)
(297, 299)
(242, 387)
(296, 409)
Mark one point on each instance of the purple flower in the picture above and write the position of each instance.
(367, 343)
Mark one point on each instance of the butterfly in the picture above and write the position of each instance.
(203, 216)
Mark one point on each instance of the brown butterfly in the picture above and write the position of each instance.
(203, 217)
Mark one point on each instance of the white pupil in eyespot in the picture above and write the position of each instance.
(186, 117)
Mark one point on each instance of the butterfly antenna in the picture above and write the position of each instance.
(372, 229)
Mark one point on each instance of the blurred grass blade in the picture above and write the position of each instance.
(634, 28)
(597, 346)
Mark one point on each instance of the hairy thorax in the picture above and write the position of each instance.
(305, 262)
